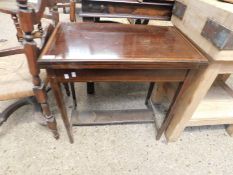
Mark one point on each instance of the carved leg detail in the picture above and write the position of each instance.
(31, 51)
(41, 97)
(18, 29)
(50, 119)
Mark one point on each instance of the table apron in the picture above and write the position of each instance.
(114, 75)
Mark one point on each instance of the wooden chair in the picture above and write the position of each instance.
(9, 7)
(9, 89)
(15, 71)
(18, 85)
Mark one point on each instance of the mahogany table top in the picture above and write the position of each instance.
(100, 45)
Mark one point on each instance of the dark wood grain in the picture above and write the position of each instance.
(92, 52)
(92, 45)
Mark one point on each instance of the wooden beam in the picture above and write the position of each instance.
(106, 117)
(190, 99)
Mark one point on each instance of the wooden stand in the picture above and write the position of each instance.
(196, 108)
(216, 107)
(204, 102)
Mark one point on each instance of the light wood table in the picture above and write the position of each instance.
(196, 110)
(205, 102)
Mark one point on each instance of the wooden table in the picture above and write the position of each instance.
(82, 52)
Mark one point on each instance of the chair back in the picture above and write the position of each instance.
(28, 18)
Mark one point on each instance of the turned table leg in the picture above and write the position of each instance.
(32, 54)
(56, 88)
